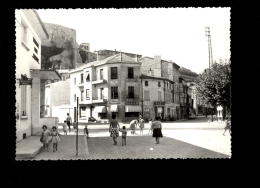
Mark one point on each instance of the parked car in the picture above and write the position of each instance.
(92, 119)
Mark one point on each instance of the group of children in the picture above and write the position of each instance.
(65, 128)
(137, 122)
(48, 137)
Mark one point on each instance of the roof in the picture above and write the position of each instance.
(108, 60)
(155, 78)
(45, 74)
(174, 64)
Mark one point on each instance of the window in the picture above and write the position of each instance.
(23, 100)
(101, 74)
(146, 95)
(113, 72)
(82, 95)
(130, 72)
(35, 42)
(75, 97)
(87, 94)
(101, 93)
(35, 50)
(24, 33)
(159, 95)
(114, 92)
(87, 76)
(131, 92)
(63, 78)
(159, 84)
(146, 83)
(74, 81)
(82, 112)
(81, 78)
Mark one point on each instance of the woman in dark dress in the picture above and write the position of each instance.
(114, 129)
(157, 130)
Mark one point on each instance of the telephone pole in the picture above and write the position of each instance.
(207, 34)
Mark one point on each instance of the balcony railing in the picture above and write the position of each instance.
(99, 81)
(159, 103)
(80, 84)
(99, 100)
(132, 97)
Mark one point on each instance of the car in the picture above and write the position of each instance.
(92, 119)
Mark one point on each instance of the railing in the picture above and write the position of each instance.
(99, 81)
(134, 79)
(132, 96)
(99, 100)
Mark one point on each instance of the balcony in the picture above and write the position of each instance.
(159, 103)
(80, 84)
(132, 97)
(99, 81)
(134, 79)
(99, 100)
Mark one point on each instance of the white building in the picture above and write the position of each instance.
(30, 98)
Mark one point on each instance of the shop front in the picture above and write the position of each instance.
(132, 112)
(159, 109)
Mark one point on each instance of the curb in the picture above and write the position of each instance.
(29, 155)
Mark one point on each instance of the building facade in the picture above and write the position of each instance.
(105, 87)
(163, 76)
(30, 77)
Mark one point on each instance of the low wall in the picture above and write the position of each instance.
(48, 121)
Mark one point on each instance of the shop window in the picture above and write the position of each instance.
(23, 100)
(130, 72)
(132, 114)
(113, 72)
(114, 92)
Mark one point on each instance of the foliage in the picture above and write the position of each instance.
(187, 72)
(83, 54)
(214, 86)
(69, 47)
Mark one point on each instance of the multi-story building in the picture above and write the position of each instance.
(105, 87)
(31, 79)
(183, 98)
(162, 75)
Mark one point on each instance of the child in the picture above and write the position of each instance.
(65, 127)
(86, 130)
(45, 138)
(151, 124)
(75, 126)
(55, 138)
(124, 133)
(141, 125)
(228, 126)
(133, 125)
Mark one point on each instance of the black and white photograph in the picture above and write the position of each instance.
(136, 83)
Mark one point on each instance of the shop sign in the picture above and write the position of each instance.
(24, 80)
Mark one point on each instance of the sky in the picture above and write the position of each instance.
(176, 34)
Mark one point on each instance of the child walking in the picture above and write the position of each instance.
(45, 138)
(141, 125)
(133, 125)
(228, 126)
(65, 127)
(151, 126)
(55, 138)
(124, 133)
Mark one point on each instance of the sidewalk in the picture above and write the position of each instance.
(28, 148)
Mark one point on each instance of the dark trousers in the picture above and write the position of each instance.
(68, 123)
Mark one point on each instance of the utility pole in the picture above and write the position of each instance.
(77, 127)
(207, 34)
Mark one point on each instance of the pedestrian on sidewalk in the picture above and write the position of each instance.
(141, 125)
(65, 127)
(228, 125)
(114, 128)
(157, 130)
(45, 138)
(124, 133)
(69, 121)
(133, 125)
(55, 138)
(75, 127)
(150, 126)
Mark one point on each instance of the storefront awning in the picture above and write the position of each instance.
(114, 108)
(133, 108)
(100, 109)
(45, 74)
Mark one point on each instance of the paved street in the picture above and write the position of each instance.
(187, 139)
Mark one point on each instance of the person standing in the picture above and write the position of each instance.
(69, 121)
(114, 128)
(133, 125)
(124, 133)
(150, 126)
(65, 127)
(157, 130)
(45, 138)
(55, 138)
(141, 125)
(228, 125)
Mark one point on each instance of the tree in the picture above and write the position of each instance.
(83, 54)
(214, 85)
(69, 47)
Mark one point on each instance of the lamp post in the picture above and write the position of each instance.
(77, 127)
